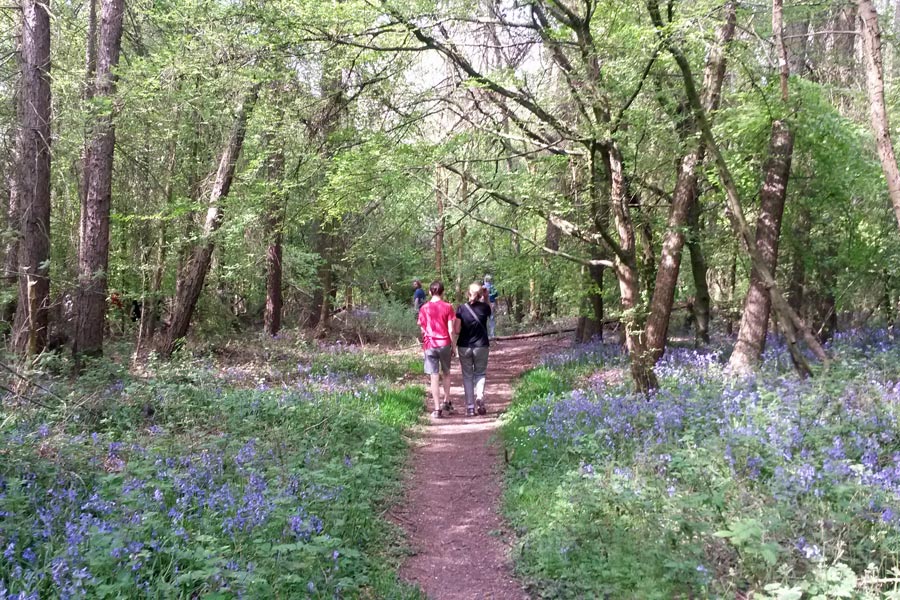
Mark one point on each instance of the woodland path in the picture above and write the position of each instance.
(451, 510)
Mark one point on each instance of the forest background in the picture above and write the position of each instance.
(286, 160)
(205, 199)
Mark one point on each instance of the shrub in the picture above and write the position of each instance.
(225, 490)
(712, 487)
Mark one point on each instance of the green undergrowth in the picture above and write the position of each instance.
(765, 487)
(207, 480)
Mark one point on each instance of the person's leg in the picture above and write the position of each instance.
(433, 369)
(445, 374)
(436, 391)
(467, 366)
(480, 362)
(492, 324)
(446, 377)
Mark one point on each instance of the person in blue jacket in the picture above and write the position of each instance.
(418, 295)
(491, 293)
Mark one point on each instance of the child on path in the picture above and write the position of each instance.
(436, 320)
(473, 344)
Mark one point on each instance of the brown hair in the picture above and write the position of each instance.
(476, 292)
(436, 288)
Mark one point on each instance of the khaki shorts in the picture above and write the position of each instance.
(437, 360)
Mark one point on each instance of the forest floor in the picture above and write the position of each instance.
(451, 510)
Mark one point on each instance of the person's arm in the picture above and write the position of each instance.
(453, 328)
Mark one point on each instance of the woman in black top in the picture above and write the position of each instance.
(473, 346)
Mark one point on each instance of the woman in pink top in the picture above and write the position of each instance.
(436, 320)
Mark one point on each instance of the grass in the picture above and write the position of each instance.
(259, 474)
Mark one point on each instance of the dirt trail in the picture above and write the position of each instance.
(451, 509)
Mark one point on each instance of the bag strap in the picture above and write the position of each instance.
(474, 316)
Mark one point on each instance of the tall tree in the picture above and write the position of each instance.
(93, 250)
(90, 82)
(755, 318)
(685, 196)
(150, 303)
(874, 66)
(791, 324)
(274, 226)
(34, 180)
(193, 273)
(441, 189)
(712, 85)
(702, 305)
(322, 127)
(13, 216)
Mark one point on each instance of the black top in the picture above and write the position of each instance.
(473, 332)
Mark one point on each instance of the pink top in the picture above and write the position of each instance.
(433, 319)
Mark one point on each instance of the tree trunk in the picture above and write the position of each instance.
(14, 227)
(702, 303)
(318, 296)
(193, 275)
(151, 301)
(461, 245)
(593, 324)
(797, 285)
(895, 57)
(683, 200)
(90, 70)
(871, 36)
(647, 264)
(797, 42)
(713, 78)
(440, 187)
(629, 285)
(274, 225)
(93, 250)
(670, 258)
(90, 55)
(825, 307)
(34, 180)
(518, 312)
(732, 292)
(755, 318)
(842, 68)
(326, 280)
(547, 283)
(321, 304)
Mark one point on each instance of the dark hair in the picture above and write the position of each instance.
(436, 288)
(417, 284)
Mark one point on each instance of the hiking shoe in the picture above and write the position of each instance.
(470, 412)
(438, 414)
(480, 407)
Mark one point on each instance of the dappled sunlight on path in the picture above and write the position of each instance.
(451, 510)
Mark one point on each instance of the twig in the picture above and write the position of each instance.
(24, 397)
(522, 336)
(26, 379)
(322, 422)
